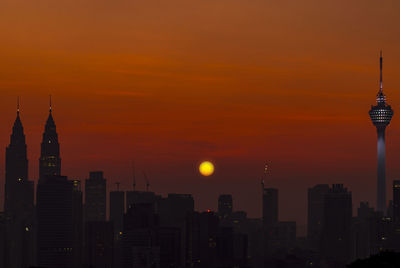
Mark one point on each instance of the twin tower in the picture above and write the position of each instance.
(17, 161)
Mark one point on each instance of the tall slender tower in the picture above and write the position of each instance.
(18, 203)
(381, 115)
(16, 167)
(49, 161)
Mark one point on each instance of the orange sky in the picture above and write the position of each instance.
(170, 83)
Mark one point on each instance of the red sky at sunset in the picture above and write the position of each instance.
(171, 83)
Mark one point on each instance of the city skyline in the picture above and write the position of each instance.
(170, 84)
(50, 139)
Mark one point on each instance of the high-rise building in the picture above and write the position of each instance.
(381, 114)
(141, 197)
(95, 197)
(55, 220)
(315, 213)
(18, 203)
(99, 241)
(225, 205)
(174, 209)
(139, 239)
(77, 219)
(336, 230)
(49, 161)
(270, 207)
(396, 201)
(117, 209)
(173, 212)
(203, 239)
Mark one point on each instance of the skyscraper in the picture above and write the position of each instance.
(95, 197)
(381, 115)
(396, 201)
(315, 213)
(18, 189)
(77, 213)
(225, 205)
(117, 209)
(55, 217)
(49, 161)
(336, 230)
(99, 243)
(270, 207)
(18, 201)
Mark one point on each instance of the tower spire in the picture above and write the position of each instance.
(18, 105)
(50, 103)
(381, 115)
(380, 78)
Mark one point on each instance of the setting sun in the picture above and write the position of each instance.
(206, 168)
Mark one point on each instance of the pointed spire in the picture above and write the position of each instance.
(18, 105)
(380, 97)
(50, 103)
(50, 121)
(380, 79)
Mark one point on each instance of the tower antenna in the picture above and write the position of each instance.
(18, 105)
(380, 78)
(265, 174)
(50, 103)
(147, 181)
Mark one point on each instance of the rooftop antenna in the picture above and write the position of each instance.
(133, 176)
(18, 105)
(50, 103)
(380, 78)
(117, 183)
(147, 181)
(265, 174)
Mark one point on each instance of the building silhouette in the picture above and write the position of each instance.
(396, 201)
(270, 207)
(336, 231)
(315, 213)
(49, 161)
(55, 233)
(95, 197)
(141, 197)
(173, 212)
(77, 220)
(381, 114)
(99, 244)
(225, 205)
(19, 201)
(140, 246)
(117, 210)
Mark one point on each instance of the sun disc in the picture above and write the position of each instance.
(206, 168)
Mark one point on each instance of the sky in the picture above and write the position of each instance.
(168, 84)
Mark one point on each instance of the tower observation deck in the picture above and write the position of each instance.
(381, 114)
